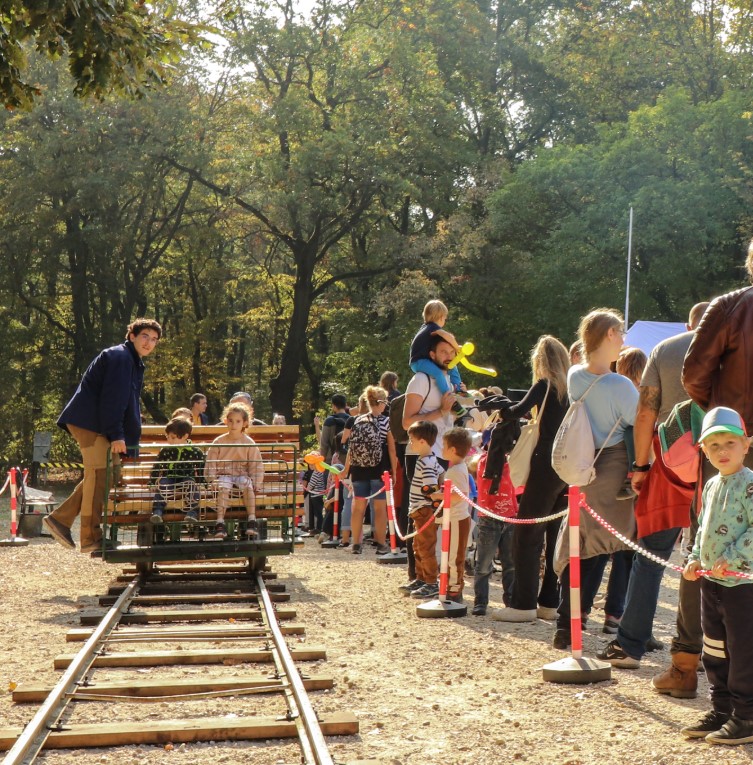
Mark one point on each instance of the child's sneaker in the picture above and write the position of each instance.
(220, 531)
(611, 624)
(428, 591)
(156, 517)
(252, 531)
(734, 731)
(626, 490)
(458, 410)
(409, 587)
(191, 517)
(356, 549)
(711, 722)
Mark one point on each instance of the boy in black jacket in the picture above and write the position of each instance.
(178, 470)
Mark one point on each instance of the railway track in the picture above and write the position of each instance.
(167, 618)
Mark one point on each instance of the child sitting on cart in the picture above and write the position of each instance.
(234, 459)
(178, 470)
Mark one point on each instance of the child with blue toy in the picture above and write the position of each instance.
(435, 316)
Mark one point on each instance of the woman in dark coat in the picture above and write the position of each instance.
(545, 492)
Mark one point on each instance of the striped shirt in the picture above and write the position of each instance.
(426, 474)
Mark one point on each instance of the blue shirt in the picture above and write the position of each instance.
(421, 343)
(612, 397)
(726, 525)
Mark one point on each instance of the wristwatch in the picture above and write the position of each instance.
(640, 468)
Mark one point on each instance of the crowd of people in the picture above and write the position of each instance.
(626, 396)
(434, 432)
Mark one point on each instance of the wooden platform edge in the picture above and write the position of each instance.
(34, 692)
(183, 731)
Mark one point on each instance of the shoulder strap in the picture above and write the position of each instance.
(428, 377)
(543, 403)
(606, 440)
(588, 389)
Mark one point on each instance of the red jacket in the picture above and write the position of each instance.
(664, 501)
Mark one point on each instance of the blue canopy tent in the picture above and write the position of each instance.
(647, 334)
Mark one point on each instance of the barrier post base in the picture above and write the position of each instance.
(577, 671)
(331, 543)
(14, 542)
(393, 557)
(441, 609)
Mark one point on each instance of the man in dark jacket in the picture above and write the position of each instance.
(103, 414)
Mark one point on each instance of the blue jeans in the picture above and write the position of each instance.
(492, 535)
(367, 487)
(619, 577)
(643, 593)
(591, 571)
(346, 512)
(428, 367)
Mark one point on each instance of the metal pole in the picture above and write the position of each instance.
(627, 283)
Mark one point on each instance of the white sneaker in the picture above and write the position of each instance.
(549, 614)
(514, 615)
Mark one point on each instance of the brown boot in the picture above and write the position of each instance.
(681, 679)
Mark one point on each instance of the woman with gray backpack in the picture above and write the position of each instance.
(371, 452)
(609, 401)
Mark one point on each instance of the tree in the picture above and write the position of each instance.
(89, 211)
(348, 144)
(109, 45)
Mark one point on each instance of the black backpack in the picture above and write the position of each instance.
(397, 405)
(365, 442)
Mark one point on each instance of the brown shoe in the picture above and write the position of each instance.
(681, 679)
(60, 533)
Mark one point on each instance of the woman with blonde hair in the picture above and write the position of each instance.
(610, 401)
(545, 491)
(371, 452)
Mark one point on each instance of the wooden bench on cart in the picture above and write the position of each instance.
(131, 495)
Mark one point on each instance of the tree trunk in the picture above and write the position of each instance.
(282, 387)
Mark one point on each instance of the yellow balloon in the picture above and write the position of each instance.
(461, 357)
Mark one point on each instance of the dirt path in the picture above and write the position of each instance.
(429, 692)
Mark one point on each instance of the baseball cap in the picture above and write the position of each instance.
(721, 419)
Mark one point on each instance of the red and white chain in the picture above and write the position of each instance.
(508, 519)
(642, 550)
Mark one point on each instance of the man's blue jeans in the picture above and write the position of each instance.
(643, 593)
(492, 535)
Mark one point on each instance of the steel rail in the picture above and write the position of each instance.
(34, 735)
(310, 736)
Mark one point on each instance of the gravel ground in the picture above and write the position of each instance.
(438, 692)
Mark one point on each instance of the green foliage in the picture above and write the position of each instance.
(108, 45)
(286, 206)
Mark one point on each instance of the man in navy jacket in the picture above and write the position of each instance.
(104, 413)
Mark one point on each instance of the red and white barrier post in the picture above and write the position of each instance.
(441, 607)
(573, 535)
(14, 538)
(394, 556)
(335, 541)
(576, 668)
